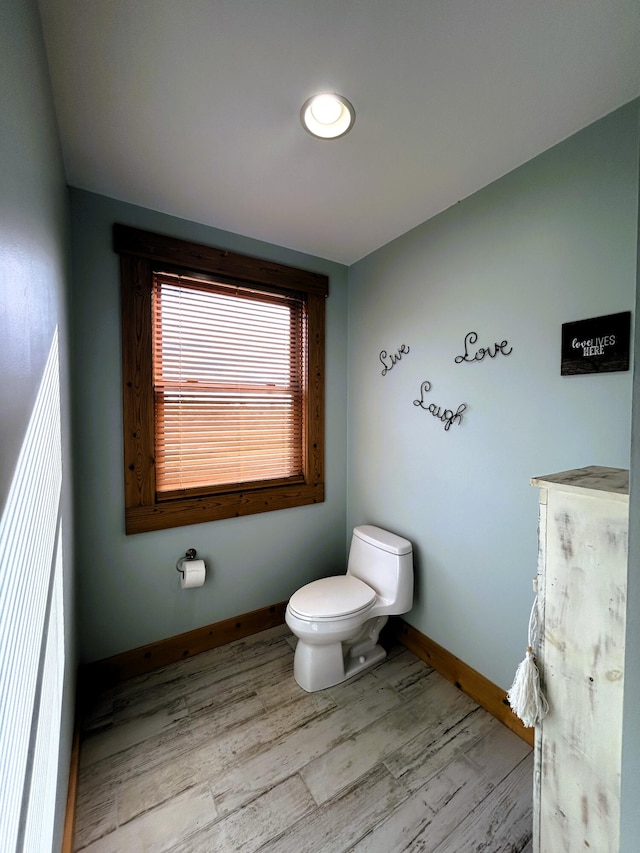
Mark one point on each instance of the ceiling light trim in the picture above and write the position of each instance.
(330, 104)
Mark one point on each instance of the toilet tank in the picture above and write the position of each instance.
(384, 561)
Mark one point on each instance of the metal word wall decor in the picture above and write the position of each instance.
(492, 350)
(447, 416)
(388, 361)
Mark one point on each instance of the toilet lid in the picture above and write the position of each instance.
(331, 597)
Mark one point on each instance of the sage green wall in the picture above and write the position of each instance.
(552, 242)
(128, 586)
(33, 290)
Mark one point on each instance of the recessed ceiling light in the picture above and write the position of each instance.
(327, 116)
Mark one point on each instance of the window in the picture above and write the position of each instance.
(32, 644)
(223, 382)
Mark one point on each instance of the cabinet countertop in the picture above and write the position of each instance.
(594, 479)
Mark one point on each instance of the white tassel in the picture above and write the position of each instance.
(525, 696)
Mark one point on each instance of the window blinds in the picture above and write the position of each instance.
(228, 377)
(32, 649)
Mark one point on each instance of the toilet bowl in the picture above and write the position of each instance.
(338, 620)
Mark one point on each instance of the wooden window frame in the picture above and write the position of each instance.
(143, 253)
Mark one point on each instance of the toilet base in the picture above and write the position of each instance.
(317, 667)
(353, 665)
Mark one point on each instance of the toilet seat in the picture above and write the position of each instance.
(332, 598)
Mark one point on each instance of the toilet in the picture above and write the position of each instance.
(338, 620)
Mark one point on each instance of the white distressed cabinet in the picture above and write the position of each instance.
(582, 580)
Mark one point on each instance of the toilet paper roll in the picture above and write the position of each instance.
(193, 573)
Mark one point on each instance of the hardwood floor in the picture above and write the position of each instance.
(224, 752)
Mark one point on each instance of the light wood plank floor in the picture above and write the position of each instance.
(224, 752)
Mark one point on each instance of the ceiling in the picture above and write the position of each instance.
(191, 107)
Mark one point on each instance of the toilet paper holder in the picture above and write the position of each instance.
(190, 555)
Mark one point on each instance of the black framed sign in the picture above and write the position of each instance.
(598, 345)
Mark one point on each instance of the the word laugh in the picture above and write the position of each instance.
(447, 416)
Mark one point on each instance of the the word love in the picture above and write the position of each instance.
(492, 350)
(447, 416)
(388, 361)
